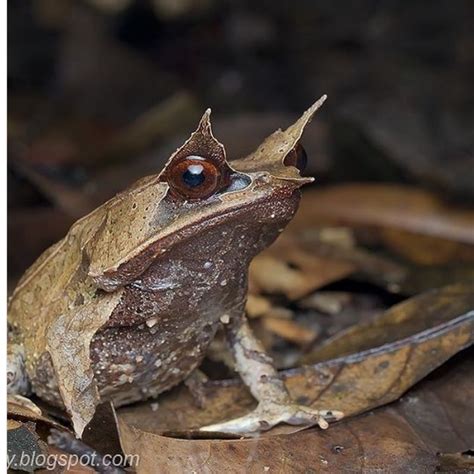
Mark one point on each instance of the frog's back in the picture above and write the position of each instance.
(45, 284)
(51, 275)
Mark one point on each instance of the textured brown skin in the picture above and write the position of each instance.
(127, 303)
(125, 352)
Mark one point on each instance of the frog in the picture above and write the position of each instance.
(126, 305)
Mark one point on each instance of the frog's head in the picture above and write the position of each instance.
(202, 184)
(198, 190)
(198, 172)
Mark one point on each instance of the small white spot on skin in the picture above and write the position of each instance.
(139, 358)
(127, 368)
(123, 379)
(154, 406)
(224, 282)
(158, 363)
(151, 322)
(208, 265)
(225, 319)
(272, 215)
(266, 468)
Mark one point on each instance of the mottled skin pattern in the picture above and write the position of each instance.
(126, 305)
(167, 318)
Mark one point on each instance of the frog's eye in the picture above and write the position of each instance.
(297, 158)
(195, 177)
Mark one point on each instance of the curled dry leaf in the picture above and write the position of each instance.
(353, 384)
(393, 439)
(420, 313)
(23, 409)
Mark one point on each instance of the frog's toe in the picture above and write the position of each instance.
(265, 416)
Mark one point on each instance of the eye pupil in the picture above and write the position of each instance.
(194, 175)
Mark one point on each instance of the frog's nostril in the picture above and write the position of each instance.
(297, 158)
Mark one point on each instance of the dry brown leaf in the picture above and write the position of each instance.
(279, 312)
(431, 309)
(289, 270)
(257, 305)
(425, 249)
(352, 384)
(383, 205)
(13, 424)
(17, 409)
(421, 278)
(392, 439)
(290, 330)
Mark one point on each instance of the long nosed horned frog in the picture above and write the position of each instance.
(125, 306)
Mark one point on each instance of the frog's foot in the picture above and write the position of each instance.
(267, 415)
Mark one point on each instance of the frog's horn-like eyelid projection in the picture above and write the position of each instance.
(270, 155)
(110, 271)
(201, 143)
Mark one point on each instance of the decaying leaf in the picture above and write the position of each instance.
(425, 249)
(393, 439)
(421, 313)
(353, 384)
(22, 409)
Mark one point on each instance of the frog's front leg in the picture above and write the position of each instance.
(274, 402)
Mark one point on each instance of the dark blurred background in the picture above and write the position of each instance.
(101, 91)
